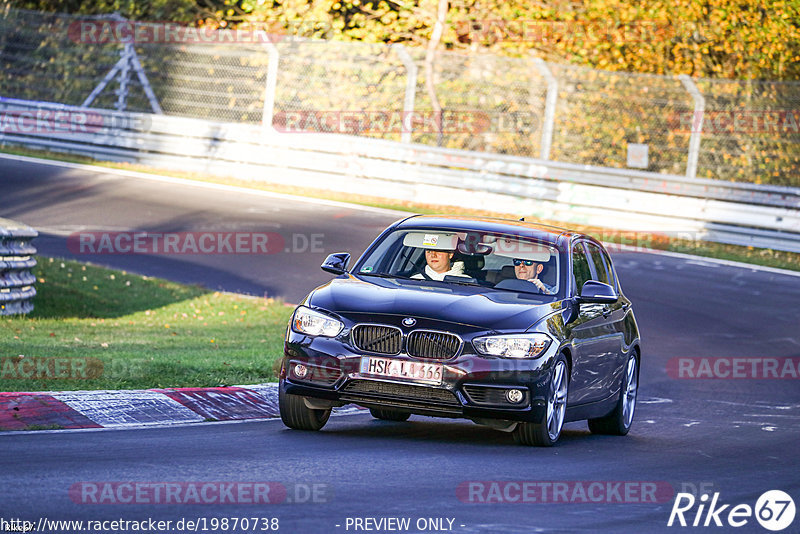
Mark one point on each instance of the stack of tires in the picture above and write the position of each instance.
(16, 263)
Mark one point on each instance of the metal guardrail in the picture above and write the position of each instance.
(16, 261)
(727, 212)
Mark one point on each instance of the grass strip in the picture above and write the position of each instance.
(96, 328)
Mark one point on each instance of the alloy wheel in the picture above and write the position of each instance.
(557, 403)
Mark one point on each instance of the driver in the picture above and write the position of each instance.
(440, 264)
(529, 270)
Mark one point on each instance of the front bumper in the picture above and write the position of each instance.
(472, 386)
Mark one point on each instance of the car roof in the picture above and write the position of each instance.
(539, 232)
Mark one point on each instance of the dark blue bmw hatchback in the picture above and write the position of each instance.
(513, 325)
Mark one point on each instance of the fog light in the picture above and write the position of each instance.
(300, 370)
(514, 396)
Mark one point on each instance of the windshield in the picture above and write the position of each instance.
(499, 261)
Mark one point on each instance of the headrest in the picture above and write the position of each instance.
(508, 271)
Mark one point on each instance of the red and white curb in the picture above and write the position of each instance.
(127, 408)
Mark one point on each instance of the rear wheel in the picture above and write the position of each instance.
(389, 415)
(546, 432)
(295, 414)
(618, 422)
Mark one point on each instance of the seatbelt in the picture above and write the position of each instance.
(425, 274)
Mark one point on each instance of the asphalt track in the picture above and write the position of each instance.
(737, 437)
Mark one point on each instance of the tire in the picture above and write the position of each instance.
(619, 422)
(295, 414)
(546, 432)
(389, 415)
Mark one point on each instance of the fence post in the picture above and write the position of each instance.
(269, 86)
(697, 124)
(549, 107)
(411, 89)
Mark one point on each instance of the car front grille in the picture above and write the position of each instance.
(370, 388)
(432, 344)
(380, 339)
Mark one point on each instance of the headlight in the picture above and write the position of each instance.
(512, 345)
(313, 323)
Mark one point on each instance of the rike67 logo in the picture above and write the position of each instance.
(774, 510)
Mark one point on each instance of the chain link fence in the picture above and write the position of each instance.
(747, 131)
(752, 131)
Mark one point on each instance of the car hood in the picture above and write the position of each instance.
(357, 297)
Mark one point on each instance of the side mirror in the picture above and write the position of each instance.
(336, 263)
(597, 292)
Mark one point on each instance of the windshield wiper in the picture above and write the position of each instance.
(465, 283)
(385, 275)
(448, 281)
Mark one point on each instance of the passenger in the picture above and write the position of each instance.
(440, 264)
(529, 270)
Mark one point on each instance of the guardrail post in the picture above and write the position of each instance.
(411, 89)
(697, 124)
(270, 84)
(549, 107)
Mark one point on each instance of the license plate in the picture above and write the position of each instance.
(386, 367)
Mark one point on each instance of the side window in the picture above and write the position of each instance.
(580, 267)
(612, 279)
(599, 263)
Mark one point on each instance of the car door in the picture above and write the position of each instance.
(610, 330)
(587, 342)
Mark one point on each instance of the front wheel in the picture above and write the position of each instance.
(546, 432)
(295, 414)
(618, 422)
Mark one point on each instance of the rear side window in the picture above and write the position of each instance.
(600, 266)
(612, 279)
(580, 267)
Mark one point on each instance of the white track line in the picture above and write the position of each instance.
(206, 185)
(706, 259)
